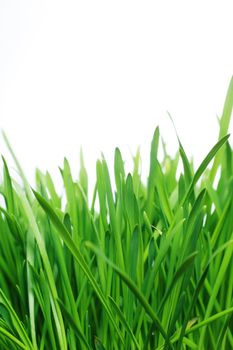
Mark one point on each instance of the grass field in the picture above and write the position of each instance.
(144, 266)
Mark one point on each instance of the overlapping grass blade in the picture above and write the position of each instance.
(61, 229)
(134, 289)
(144, 266)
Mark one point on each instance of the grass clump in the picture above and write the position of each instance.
(150, 269)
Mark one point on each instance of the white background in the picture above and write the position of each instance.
(104, 74)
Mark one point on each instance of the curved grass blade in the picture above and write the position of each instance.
(224, 125)
(47, 266)
(64, 234)
(98, 344)
(152, 173)
(124, 321)
(186, 164)
(73, 324)
(198, 289)
(201, 324)
(221, 274)
(203, 166)
(210, 320)
(20, 170)
(132, 286)
(8, 188)
(180, 271)
(12, 338)
(16, 322)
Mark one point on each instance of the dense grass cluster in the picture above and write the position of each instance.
(151, 268)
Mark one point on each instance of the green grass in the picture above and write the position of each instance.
(151, 268)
